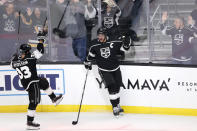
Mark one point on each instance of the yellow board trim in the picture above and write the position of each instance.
(100, 108)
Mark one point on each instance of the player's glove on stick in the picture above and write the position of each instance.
(88, 65)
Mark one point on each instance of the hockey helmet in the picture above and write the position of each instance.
(25, 48)
(101, 31)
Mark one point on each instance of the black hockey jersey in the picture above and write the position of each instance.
(110, 19)
(26, 68)
(193, 28)
(105, 54)
(181, 48)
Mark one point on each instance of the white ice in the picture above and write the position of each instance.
(99, 122)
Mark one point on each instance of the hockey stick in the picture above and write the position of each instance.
(19, 21)
(56, 30)
(19, 26)
(75, 122)
(45, 21)
(18, 32)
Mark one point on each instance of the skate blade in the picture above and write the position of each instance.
(121, 113)
(117, 116)
(32, 128)
(58, 101)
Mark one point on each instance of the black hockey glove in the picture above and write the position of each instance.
(88, 65)
(127, 42)
(41, 36)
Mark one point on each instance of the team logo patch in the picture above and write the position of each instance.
(108, 22)
(9, 26)
(105, 52)
(178, 38)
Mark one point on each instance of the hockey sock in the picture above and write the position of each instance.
(30, 115)
(118, 100)
(114, 99)
(114, 102)
(29, 118)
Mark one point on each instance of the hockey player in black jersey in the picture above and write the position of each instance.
(25, 65)
(105, 53)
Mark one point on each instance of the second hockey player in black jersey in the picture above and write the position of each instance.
(25, 65)
(105, 53)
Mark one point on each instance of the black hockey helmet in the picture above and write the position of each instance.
(25, 48)
(102, 31)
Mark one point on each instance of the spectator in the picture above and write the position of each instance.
(90, 20)
(181, 48)
(8, 31)
(38, 19)
(136, 11)
(192, 22)
(126, 7)
(27, 21)
(90, 11)
(110, 18)
(9, 19)
(75, 26)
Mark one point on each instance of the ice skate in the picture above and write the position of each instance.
(57, 100)
(121, 111)
(32, 125)
(116, 112)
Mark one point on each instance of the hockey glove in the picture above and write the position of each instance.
(88, 65)
(127, 42)
(41, 37)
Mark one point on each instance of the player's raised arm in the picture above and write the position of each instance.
(40, 46)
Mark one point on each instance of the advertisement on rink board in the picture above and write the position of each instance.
(143, 85)
(159, 79)
(10, 84)
(174, 87)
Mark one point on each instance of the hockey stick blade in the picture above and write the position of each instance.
(74, 122)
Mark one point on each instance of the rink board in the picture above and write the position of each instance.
(147, 89)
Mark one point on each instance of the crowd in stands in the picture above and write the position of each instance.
(21, 20)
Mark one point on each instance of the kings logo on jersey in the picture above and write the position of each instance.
(108, 22)
(178, 38)
(105, 52)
